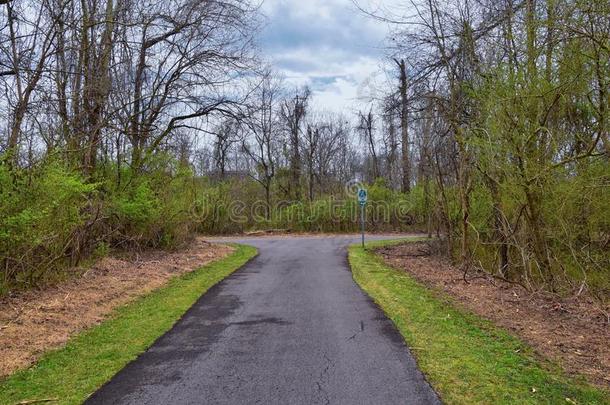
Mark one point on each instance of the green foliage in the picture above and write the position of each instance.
(386, 210)
(237, 205)
(151, 208)
(51, 218)
(216, 210)
(137, 208)
(41, 215)
(577, 214)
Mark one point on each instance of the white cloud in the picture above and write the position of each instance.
(326, 44)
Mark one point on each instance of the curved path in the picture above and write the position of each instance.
(290, 327)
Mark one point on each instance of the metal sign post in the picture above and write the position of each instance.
(362, 197)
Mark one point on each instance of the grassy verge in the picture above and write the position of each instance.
(68, 375)
(465, 358)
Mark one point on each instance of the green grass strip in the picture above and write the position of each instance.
(70, 374)
(466, 359)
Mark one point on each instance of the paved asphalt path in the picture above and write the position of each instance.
(291, 327)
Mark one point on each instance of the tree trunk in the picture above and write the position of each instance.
(99, 89)
(538, 241)
(404, 126)
(500, 229)
(268, 199)
(19, 112)
(464, 186)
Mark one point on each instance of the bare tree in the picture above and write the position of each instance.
(403, 89)
(29, 47)
(390, 141)
(293, 112)
(185, 54)
(261, 142)
(366, 127)
(226, 137)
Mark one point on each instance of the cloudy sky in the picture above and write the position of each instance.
(326, 44)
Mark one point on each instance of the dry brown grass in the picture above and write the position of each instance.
(34, 322)
(573, 332)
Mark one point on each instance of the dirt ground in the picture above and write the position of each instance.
(573, 332)
(34, 322)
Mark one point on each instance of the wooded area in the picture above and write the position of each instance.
(510, 104)
(129, 124)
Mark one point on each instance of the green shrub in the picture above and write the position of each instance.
(51, 218)
(41, 216)
(152, 208)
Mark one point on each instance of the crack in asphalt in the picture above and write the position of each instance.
(323, 376)
(352, 337)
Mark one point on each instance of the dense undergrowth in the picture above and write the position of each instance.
(52, 219)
